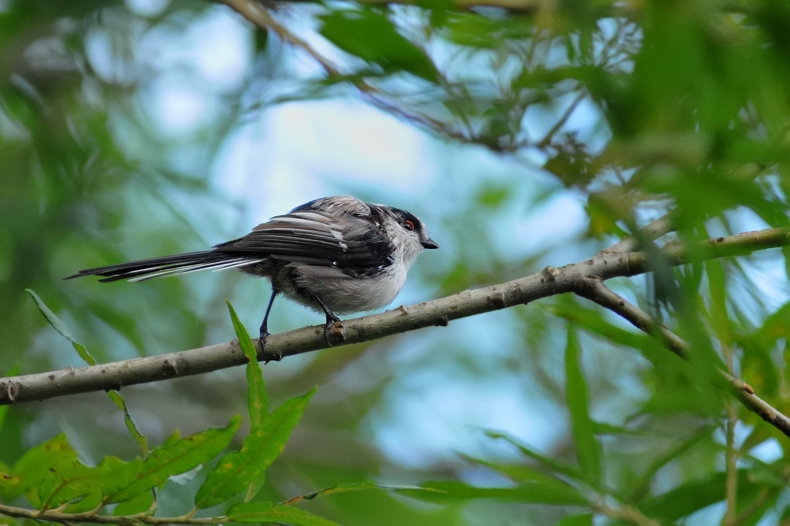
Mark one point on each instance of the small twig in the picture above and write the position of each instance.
(92, 517)
(256, 14)
(546, 141)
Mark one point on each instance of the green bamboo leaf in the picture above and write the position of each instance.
(553, 465)
(257, 398)
(186, 454)
(266, 512)
(690, 497)
(588, 451)
(596, 323)
(523, 473)
(531, 493)
(236, 471)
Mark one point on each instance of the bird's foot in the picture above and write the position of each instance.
(267, 356)
(330, 323)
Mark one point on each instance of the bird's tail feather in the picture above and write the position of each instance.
(168, 266)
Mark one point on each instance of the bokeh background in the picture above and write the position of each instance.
(524, 135)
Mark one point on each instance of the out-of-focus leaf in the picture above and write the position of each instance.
(523, 473)
(371, 36)
(266, 513)
(583, 519)
(594, 322)
(532, 493)
(588, 450)
(642, 485)
(550, 463)
(236, 471)
(693, 495)
(184, 455)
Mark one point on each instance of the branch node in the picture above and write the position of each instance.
(497, 300)
(550, 273)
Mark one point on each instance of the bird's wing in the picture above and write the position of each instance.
(309, 237)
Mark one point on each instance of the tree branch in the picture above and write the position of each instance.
(594, 289)
(550, 281)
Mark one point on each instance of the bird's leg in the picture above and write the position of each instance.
(264, 331)
(331, 319)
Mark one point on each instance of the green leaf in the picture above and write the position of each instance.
(236, 471)
(553, 465)
(583, 519)
(86, 356)
(61, 328)
(523, 473)
(371, 36)
(257, 398)
(588, 451)
(356, 486)
(690, 497)
(131, 425)
(70, 479)
(34, 466)
(186, 454)
(532, 493)
(140, 504)
(266, 512)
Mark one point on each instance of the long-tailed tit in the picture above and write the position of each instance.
(335, 254)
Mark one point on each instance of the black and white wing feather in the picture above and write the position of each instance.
(339, 238)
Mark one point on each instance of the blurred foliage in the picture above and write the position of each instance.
(636, 108)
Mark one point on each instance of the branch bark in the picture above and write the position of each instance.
(550, 281)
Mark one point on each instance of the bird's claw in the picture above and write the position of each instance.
(330, 323)
(266, 355)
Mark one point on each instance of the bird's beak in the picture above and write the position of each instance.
(430, 243)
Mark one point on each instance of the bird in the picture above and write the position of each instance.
(336, 255)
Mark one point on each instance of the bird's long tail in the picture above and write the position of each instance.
(168, 266)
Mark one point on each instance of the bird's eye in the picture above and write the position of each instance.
(408, 225)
